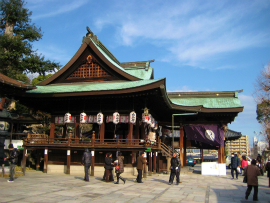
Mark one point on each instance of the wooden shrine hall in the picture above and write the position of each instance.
(108, 106)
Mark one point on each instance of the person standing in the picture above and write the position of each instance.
(267, 167)
(235, 162)
(244, 163)
(175, 169)
(86, 161)
(240, 158)
(140, 162)
(13, 159)
(120, 168)
(109, 167)
(252, 172)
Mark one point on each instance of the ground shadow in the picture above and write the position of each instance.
(79, 178)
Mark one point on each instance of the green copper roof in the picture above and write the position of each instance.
(208, 102)
(91, 86)
(141, 73)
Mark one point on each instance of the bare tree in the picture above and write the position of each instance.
(262, 98)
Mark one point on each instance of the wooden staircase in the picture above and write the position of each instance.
(165, 150)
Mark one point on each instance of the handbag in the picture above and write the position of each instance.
(238, 170)
(117, 167)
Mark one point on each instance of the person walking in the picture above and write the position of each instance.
(235, 162)
(120, 168)
(13, 159)
(86, 161)
(175, 169)
(252, 172)
(267, 168)
(140, 162)
(244, 163)
(109, 167)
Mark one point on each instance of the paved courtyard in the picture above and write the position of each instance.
(40, 187)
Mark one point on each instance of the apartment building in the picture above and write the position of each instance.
(240, 145)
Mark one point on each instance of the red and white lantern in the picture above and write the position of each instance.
(83, 118)
(116, 118)
(67, 118)
(132, 117)
(99, 118)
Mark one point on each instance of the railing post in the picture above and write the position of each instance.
(93, 138)
(3, 170)
(69, 140)
(159, 143)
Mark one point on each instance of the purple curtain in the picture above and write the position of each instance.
(212, 135)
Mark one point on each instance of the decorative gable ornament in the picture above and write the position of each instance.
(83, 118)
(116, 118)
(145, 118)
(99, 118)
(67, 118)
(132, 117)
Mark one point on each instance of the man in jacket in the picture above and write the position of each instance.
(235, 162)
(13, 159)
(252, 172)
(86, 161)
(140, 162)
(175, 169)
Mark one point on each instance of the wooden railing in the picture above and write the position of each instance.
(45, 141)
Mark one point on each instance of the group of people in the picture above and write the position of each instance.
(251, 172)
(118, 164)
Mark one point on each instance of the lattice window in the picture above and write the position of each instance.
(89, 70)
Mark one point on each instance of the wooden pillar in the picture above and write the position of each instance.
(181, 145)
(185, 150)
(137, 132)
(77, 127)
(68, 161)
(144, 167)
(202, 155)
(24, 160)
(102, 132)
(154, 162)
(221, 155)
(158, 166)
(93, 163)
(93, 138)
(142, 131)
(38, 160)
(130, 133)
(150, 164)
(46, 152)
(10, 138)
(52, 128)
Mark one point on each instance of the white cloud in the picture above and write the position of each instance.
(192, 31)
(183, 89)
(61, 8)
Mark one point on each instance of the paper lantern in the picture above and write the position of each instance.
(116, 118)
(67, 118)
(99, 118)
(132, 117)
(83, 117)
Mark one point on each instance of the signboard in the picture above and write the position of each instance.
(213, 168)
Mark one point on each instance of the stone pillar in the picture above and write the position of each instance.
(168, 164)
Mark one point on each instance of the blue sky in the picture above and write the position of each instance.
(197, 45)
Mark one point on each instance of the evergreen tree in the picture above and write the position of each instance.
(17, 56)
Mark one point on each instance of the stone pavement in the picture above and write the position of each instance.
(40, 187)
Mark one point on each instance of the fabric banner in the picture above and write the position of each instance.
(212, 135)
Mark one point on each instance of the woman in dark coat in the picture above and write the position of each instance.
(267, 167)
(120, 170)
(108, 167)
(252, 172)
